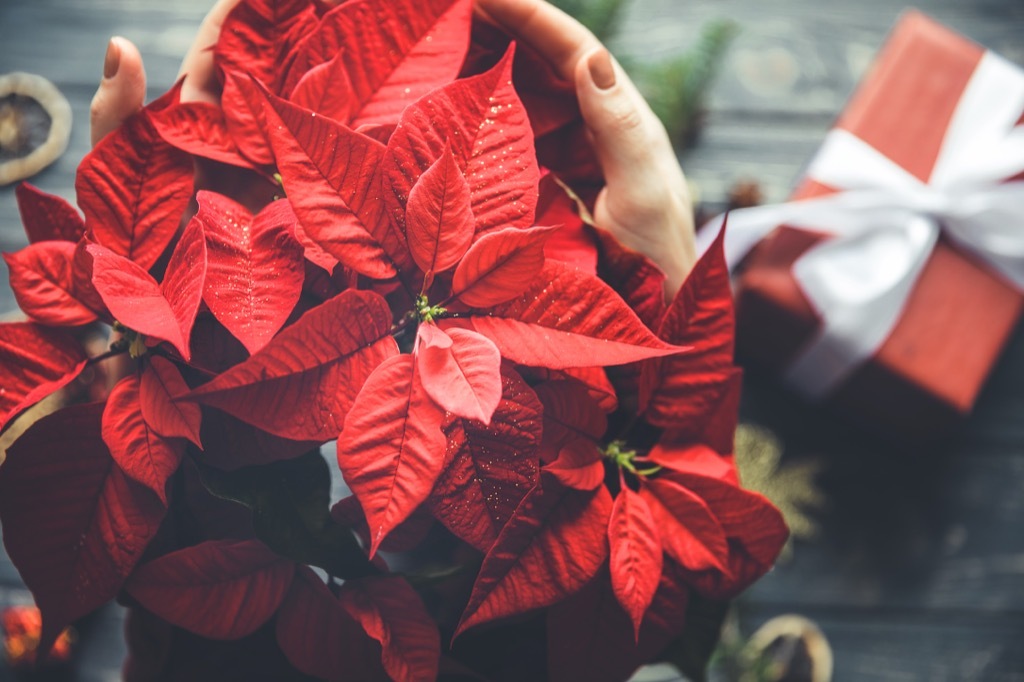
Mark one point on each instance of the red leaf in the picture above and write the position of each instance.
(438, 218)
(34, 362)
(484, 122)
(701, 317)
(199, 128)
(256, 267)
(554, 543)
(426, 41)
(706, 414)
(321, 638)
(183, 283)
(230, 443)
(569, 413)
(215, 349)
(161, 383)
(634, 277)
(302, 383)
(500, 265)
(314, 253)
(81, 274)
(407, 536)
(492, 467)
(43, 282)
(257, 35)
(163, 312)
(578, 465)
(392, 613)
(74, 524)
(133, 296)
(133, 188)
(460, 370)
(245, 118)
(569, 151)
(47, 217)
(549, 99)
(635, 554)
(589, 633)
(695, 460)
(599, 387)
(572, 243)
(327, 90)
(381, 133)
(755, 529)
(690, 531)
(140, 452)
(569, 319)
(331, 176)
(222, 589)
(392, 448)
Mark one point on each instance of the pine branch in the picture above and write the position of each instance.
(600, 16)
(677, 88)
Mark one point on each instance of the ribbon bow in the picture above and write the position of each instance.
(885, 222)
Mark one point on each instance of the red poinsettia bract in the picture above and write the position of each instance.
(368, 256)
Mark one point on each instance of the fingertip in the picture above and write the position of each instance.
(122, 90)
(130, 69)
(611, 112)
(112, 59)
(599, 68)
(601, 85)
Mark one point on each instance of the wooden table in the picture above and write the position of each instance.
(919, 570)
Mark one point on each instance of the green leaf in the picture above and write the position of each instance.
(677, 88)
(692, 650)
(290, 504)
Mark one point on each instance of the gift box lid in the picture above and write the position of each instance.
(959, 314)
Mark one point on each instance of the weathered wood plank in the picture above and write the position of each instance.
(896, 646)
(66, 44)
(934, 528)
(904, 537)
(790, 70)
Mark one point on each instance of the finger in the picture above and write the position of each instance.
(122, 90)
(646, 201)
(551, 32)
(200, 74)
(630, 142)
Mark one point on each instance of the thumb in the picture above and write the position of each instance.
(629, 140)
(122, 90)
(201, 84)
(645, 203)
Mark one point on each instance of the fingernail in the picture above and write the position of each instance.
(601, 70)
(113, 58)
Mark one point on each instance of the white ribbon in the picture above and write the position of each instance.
(885, 222)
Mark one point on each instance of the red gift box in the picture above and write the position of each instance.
(960, 312)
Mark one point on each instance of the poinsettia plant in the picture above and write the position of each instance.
(359, 246)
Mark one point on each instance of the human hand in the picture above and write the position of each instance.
(645, 203)
(122, 91)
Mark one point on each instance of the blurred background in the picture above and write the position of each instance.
(910, 560)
